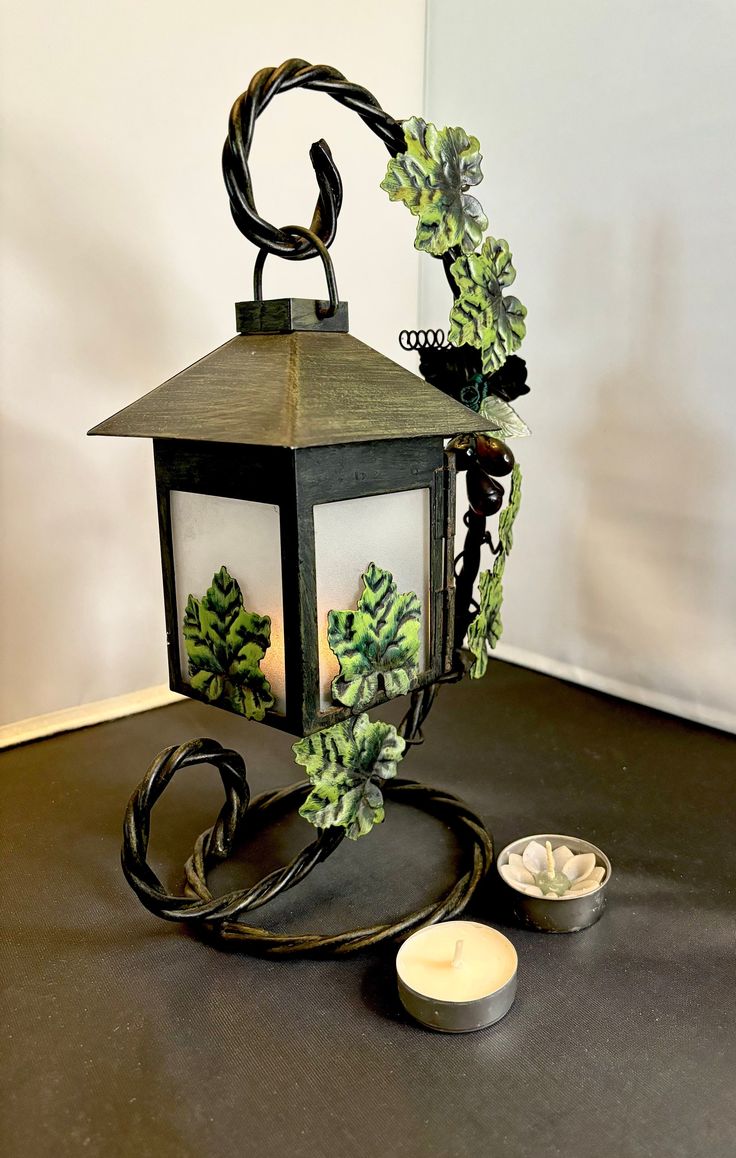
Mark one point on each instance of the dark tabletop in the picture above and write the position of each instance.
(127, 1036)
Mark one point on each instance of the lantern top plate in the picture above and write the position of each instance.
(293, 390)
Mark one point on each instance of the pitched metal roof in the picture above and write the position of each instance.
(298, 389)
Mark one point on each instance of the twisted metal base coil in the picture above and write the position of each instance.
(217, 918)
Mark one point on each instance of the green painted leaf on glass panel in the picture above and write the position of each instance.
(377, 644)
(346, 765)
(432, 178)
(225, 644)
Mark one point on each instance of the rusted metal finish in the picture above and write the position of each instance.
(294, 390)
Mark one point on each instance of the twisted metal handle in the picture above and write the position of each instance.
(236, 152)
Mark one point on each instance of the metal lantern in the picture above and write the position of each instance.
(289, 461)
(306, 499)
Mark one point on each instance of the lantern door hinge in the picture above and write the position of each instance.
(443, 523)
(444, 529)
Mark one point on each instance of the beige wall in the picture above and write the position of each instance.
(122, 265)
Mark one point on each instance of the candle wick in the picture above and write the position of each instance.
(457, 960)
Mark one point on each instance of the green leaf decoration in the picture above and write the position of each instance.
(485, 630)
(483, 316)
(432, 178)
(225, 645)
(506, 423)
(346, 765)
(510, 511)
(377, 645)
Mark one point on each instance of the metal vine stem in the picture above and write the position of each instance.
(219, 917)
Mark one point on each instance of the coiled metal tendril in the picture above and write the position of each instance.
(423, 340)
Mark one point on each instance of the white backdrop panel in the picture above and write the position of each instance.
(608, 138)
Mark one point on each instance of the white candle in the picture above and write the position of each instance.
(564, 890)
(457, 976)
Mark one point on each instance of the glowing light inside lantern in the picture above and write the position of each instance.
(209, 531)
(390, 530)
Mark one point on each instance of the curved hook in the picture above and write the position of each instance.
(290, 243)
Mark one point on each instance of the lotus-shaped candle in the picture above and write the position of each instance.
(538, 870)
(541, 871)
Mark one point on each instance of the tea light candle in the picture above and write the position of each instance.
(554, 883)
(457, 976)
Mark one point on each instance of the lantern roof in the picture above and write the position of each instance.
(294, 389)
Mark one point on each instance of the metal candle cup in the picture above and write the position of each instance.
(566, 914)
(457, 976)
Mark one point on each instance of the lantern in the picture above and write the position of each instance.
(298, 472)
(306, 498)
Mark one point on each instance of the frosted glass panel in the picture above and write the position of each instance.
(391, 531)
(209, 531)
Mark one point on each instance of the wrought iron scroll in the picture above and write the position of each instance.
(219, 918)
(264, 86)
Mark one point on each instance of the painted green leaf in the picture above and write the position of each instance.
(346, 765)
(377, 645)
(432, 178)
(505, 422)
(225, 644)
(485, 630)
(483, 316)
(510, 511)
